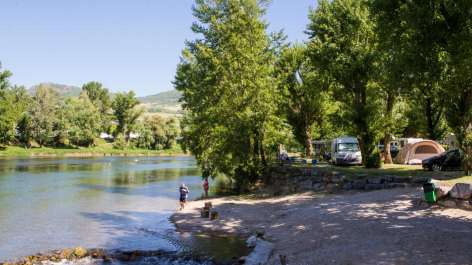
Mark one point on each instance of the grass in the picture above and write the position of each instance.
(466, 179)
(105, 149)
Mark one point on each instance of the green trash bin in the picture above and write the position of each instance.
(428, 189)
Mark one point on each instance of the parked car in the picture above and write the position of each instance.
(393, 151)
(451, 159)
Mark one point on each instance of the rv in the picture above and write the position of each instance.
(346, 151)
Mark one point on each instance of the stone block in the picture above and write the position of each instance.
(281, 169)
(359, 184)
(306, 172)
(325, 173)
(348, 186)
(333, 187)
(360, 176)
(374, 181)
(316, 173)
(448, 203)
(387, 178)
(327, 178)
(395, 185)
(293, 182)
(306, 185)
(442, 192)
(461, 191)
(318, 187)
(335, 173)
(398, 179)
(465, 204)
(317, 179)
(303, 178)
(419, 180)
(338, 179)
(374, 186)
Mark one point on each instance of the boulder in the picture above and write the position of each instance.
(123, 257)
(419, 180)
(448, 203)
(306, 185)
(338, 179)
(465, 205)
(374, 186)
(442, 192)
(398, 179)
(360, 176)
(316, 173)
(292, 182)
(461, 191)
(251, 242)
(317, 179)
(395, 185)
(260, 254)
(319, 187)
(374, 181)
(359, 184)
(388, 178)
(80, 252)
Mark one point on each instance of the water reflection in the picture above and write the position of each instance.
(94, 202)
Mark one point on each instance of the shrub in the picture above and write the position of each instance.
(374, 160)
(119, 143)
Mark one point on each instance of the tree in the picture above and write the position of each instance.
(125, 112)
(81, 120)
(42, 113)
(98, 96)
(343, 46)
(226, 82)
(304, 92)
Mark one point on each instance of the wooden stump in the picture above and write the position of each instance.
(214, 215)
(205, 213)
(208, 205)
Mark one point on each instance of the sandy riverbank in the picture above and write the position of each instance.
(379, 227)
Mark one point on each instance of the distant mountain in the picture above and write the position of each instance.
(64, 90)
(168, 98)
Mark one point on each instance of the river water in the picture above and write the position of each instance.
(100, 202)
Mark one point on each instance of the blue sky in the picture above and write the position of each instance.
(125, 45)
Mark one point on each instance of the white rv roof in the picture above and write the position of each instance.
(347, 140)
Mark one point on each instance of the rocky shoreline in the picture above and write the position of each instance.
(110, 256)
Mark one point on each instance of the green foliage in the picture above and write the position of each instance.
(119, 143)
(99, 96)
(227, 89)
(260, 234)
(125, 112)
(305, 101)
(374, 160)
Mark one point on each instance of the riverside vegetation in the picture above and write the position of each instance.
(371, 69)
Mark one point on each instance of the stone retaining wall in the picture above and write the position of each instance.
(303, 179)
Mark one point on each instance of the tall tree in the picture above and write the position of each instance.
(226, 82)
(125, 111)
(343, 45)
(43, 113)
(304, 93)
(98, 96)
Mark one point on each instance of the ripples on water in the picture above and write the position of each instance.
(95, 202)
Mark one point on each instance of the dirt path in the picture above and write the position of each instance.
(380, 227)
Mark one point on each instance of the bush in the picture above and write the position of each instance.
(119, 143)
(374, 160)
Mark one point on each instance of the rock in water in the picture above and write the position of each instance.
(461, 191)
(260, 254)
(80, 252)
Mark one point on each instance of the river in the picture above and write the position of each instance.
(112, 202)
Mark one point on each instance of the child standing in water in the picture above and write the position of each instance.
(206, 186)
(183, 196)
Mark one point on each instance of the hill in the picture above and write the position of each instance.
(168, 98)
(64, 90)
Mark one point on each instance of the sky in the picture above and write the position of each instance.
(125, 45)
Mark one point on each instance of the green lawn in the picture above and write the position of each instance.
(104, 149)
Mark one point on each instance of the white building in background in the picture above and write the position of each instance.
(451, 141)
(106, 136)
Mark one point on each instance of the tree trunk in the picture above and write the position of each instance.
(129, 138)
(308, 145)
(41, 144)
(387, 153)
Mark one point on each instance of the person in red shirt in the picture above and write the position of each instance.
(206, 187)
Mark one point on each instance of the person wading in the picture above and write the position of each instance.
(206, 186)
(183, 196)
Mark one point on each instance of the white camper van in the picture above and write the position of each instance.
(346, 151)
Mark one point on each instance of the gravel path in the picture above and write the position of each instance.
(379, 227)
